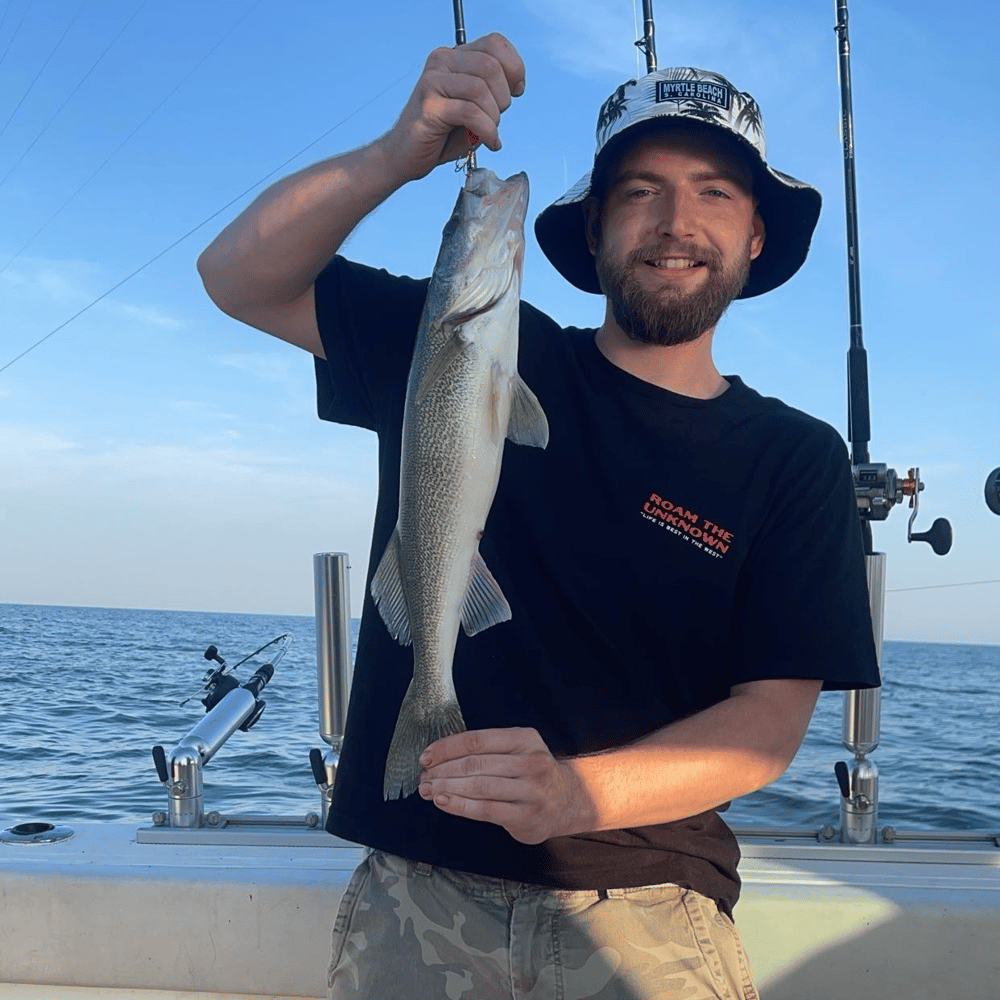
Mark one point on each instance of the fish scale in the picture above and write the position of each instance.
(464, 397)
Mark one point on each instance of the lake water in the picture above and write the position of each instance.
(88, 691)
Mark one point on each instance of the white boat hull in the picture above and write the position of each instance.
(103, 912)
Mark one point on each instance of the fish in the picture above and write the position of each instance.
(464, 398)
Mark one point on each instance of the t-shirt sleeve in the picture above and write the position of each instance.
(802, 607)
(367, 321)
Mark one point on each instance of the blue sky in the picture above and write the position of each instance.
(155, 453)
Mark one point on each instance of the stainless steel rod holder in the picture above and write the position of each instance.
(862, 709)
(331, 572)
(862, 718)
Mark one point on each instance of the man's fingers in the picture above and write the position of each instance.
(506, 56)
(520, 821)
(475, 742)
(483, 787)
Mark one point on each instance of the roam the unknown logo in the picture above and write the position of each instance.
(700, 532)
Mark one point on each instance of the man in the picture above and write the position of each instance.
(683, 561)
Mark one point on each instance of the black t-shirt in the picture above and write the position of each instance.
(660, 550)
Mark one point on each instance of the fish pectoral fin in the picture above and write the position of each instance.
(387, 591)
(484, 604)
(527, 423)
(480, 293)
(441, 362)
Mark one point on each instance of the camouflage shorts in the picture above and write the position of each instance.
(406, 931)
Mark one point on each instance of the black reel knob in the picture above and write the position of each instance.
(993, 491)
(938, 536)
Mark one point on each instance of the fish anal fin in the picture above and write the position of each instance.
(484, 604)
(387, 591)
(527, 423)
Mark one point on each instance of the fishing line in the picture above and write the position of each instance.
(204, 222)
(131, 134)
(83, 80)
(6, 9)
(939, 586)
(55, 48)
(16, 30)
(635, 34)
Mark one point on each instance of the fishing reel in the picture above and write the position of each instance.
(877, 489)
(219, 681)
(992, 491)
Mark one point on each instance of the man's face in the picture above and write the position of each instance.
(674, 235)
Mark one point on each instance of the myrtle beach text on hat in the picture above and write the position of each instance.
(693, 90)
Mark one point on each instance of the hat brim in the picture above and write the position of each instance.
(789, 208)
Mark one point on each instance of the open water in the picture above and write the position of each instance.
(87, 692)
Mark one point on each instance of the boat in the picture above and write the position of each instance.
(202, 906)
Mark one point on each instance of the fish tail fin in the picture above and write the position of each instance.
(528, 423)
(387, 591)
(416, 728)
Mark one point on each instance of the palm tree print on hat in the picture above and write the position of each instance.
(612, 109)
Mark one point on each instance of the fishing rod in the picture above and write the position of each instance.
(858, 415)
(877, 488)
(647, 44)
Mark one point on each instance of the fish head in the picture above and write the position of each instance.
(486, 230)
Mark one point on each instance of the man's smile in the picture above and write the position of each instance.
(674, 263)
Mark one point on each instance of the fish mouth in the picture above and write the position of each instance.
(504, 202)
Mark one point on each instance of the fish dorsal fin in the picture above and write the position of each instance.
(528, 423)
(484, 604)
(387, 590)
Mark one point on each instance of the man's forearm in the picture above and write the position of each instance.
(272, 252)
(733, 748)
(509, 777)
(261, 268)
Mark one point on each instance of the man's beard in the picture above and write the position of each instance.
(669, 316)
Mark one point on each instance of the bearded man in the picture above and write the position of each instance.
(683, 561)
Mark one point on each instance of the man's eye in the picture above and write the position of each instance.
(716, 193)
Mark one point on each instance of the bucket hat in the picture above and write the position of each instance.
(789, 207)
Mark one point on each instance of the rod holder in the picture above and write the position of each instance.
(331, 572)
(181, 770)
(861, 730)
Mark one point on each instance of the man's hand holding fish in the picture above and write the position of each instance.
(461, 90)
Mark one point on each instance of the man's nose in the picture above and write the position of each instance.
(676, 214)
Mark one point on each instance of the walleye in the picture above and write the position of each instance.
(463, 398)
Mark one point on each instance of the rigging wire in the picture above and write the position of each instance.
(16, 30)
(635, 34)
(127, 138)
(939, 586)
(83, 80)
(44, 64)
(6, 9)
(204, 222)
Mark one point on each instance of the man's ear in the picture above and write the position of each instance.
(592, 223)
(758, 234)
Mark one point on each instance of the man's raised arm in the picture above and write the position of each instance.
(261, 267)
